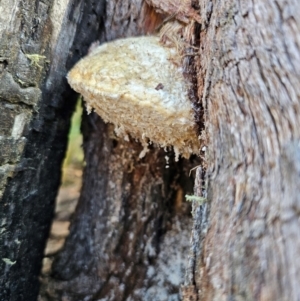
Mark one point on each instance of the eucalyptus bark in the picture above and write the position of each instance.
(130, 235)
(246, 238)
(33, 131)
(36, 104)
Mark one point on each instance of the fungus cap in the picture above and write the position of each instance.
(138, 85)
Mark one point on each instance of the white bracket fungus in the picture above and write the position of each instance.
(138, 85)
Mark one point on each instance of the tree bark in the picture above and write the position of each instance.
(129, 237)
(130, 231)
(36, 105)
(246, 239)
(33, 129)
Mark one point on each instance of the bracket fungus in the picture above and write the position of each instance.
(138, 85)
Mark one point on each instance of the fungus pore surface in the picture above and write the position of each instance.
(138, 85)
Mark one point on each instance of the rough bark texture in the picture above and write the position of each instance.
(248, 237)
(127, 231)
(33, 137)
(130, 234)
(36, 104)
(129, 237)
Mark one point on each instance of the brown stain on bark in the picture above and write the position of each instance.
(152, 19)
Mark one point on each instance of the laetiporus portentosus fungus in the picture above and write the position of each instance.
(138, 85)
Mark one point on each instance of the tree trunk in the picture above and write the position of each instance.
(129, 236)
(36, 104)
(34, 120)
(246, 239)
